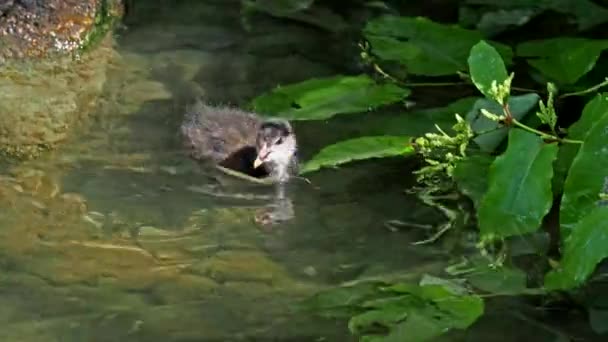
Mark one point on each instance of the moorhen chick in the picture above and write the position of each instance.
(241, 141)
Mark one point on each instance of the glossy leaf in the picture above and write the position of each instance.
(471, 175)
(594, 110)
(587, 177)
(359, 149)
(423, 46)
(582, 251)
(564, 60)
(486, 66)
(519, 193)
(322, 98)
(490, 134)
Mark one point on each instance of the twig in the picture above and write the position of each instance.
(586, 91)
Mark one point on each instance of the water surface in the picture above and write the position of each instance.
(117, 236)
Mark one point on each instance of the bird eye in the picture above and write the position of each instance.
(279, 141)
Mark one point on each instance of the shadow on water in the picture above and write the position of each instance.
(118, 236)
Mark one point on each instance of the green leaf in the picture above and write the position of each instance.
(451, 285)
(322, 98)
(490, 134)
(519, 193)
(340, 302)
(458, 311)
(440, 305)
(486, 66)
(588, 176)
(471, 175)
(594, 110)
(423, 46)
(427, 312)
(418, 328)
(537, 243)
(359, 149)
(564, 60)
(583, 250)
(391, 311)
(419, 122)
(501, 280)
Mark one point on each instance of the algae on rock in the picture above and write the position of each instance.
(53, 65)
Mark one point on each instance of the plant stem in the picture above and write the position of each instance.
(526, 90)
(586, 91)
(467, 81)
(385, 74)
(543, 134)
(438, 84)
(512, 120)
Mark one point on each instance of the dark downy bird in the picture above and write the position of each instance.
(241, 141)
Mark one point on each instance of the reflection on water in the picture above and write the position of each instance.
(119, 237)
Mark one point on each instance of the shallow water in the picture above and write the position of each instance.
(117, 236)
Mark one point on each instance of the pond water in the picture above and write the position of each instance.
(117, 236)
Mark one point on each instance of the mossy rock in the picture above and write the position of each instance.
(53, 59)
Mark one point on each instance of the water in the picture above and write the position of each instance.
(117, 236)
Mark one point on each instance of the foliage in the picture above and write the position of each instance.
(519, 187)
(359, 148)
(587, 178)
(318, 99)
(385, 311)
(422, 46)
(488, 71)
(442, 152)
(495, 16)
(567, 66)
(583, 250)
(519, 190)
(489, 133)
(514, 152)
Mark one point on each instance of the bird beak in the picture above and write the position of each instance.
(262, 154)
(257, 162)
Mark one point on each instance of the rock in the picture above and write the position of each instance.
(185, 288)
(144, 90)
(55, 51)
(35, 181)
(243, 266)
(31, 29)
